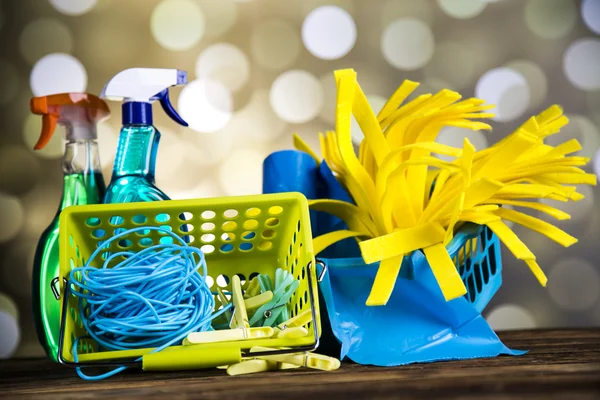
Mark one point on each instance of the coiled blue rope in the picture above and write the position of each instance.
(153, 298)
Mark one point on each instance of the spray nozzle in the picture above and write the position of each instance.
(76, 109)
(137, 88)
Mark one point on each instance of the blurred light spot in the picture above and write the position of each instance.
(220, 16)
(9, 82)
(108, 136)
(590, 12)
(41, 204)
(581, 62)
(309, 5)
(462, 9)
(296, 96)
(329, 92)
(582, 129)
(507, 89)
(241, 173)
(377, 103)
(57, 73)
(11, 336)
(256, 122)
(275, 45)
(453, 63)
(407, 44)
(171, 156)
(177, 24)
(329, 33)
(32, 128)
(225, 63)
(207, 189)
(19, 170)
(536, 80)
(550, 19)
(396, 9)
(11, 217)
(206, 105)
(9, 306)
(453, 136)
(510, 316)
(204, 149)
(574, 284)
(44, 36)
(579, 210)
(73, 7)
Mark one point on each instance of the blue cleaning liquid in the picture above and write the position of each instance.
(133, 176)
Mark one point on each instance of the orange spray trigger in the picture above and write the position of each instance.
(93, 110)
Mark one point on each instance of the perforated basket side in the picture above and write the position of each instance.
(479, 264)
(241, 236)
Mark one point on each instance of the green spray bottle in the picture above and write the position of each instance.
(78, 114)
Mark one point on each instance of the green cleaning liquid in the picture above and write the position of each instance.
(78, 114)
(78, 189)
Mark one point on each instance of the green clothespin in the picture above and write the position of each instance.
(265, 282)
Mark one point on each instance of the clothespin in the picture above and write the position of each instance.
(229, 335)
(265, 282)
(252, 303)
(240, 316)
(253, 288)
(294, 327)
(308, 360)
(271, 310)
(291, 333)
(302, 319)
(224, 301)
(256, 365)
(273, 314)
(283, 279)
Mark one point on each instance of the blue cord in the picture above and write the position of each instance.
(153, 298)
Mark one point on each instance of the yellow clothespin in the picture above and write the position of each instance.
(294, 327)
(252, 303)
(308, 360)
(224, 301)
(229, 335)
(299, 320)
(253, 288)
(256, 365)
(291, 333)
(240, 316)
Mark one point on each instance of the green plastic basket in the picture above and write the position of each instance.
(241, 236)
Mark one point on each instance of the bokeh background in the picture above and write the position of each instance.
(260, 70)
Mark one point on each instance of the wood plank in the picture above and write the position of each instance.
(561, 364)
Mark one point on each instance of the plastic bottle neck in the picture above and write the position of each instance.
(83, 181)
(136, 152)
(81, 156)
(136, 113)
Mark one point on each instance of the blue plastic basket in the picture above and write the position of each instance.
(417, 324)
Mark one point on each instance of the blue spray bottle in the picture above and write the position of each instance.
(133, 171)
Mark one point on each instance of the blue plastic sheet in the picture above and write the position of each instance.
(417, 324)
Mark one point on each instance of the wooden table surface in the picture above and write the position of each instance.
(561, 364)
